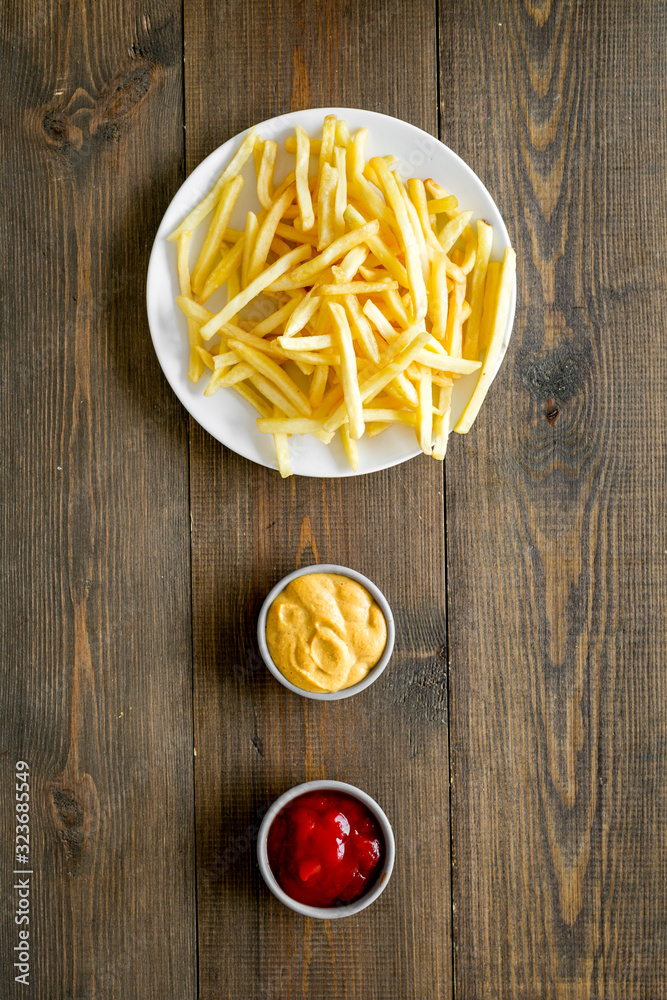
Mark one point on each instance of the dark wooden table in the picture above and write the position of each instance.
(519, 740)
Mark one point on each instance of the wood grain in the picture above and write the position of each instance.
(95, 596)
(556, 585)
(556, 543)
(254, 739)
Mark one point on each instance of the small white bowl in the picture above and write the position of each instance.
(375, 593)
(321, 912)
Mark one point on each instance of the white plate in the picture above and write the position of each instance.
(226, 415)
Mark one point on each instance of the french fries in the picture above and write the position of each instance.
(381, 294)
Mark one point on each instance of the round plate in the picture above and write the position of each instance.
(226, 415)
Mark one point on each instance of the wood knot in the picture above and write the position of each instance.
(71, 817)
(119, 98)
(552, 412)
(61, 133)
(75, 811)
(84, 121)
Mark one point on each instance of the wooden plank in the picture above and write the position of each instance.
(95, 595)
(556, 512)
(254, 739)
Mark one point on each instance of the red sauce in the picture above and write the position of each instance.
(325, 848)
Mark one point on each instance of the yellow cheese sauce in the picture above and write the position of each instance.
(325, 632)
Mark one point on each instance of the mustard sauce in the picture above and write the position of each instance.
(325, 632)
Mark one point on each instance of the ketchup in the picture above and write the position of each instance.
(325, 848)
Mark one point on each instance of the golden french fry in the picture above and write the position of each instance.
(216, 232)
(470, 252)
(278, 317)
(295, 235)
(453, 339)
(207, 204)
(318, 385)
(254, 397)
(206, 357)
(196, 364)
(412, 258)
(257, 150)
(325, 206)
(373, 415)
(360, 325)
(471, 345)
(351, 262)
(350, 446)
(238, 373)
(490, 303)
(326, 150)
(439, 205)
(439, 302)
(265, 173)
(374, 384)
(183, 263)
(302, 315)
(340, 198)
(335, 250)
(225, 360)
(494, 349)
(395, 307)
(404, 390)
(457, 257)
(375, 244)
(287, 284)
(267, 230)
(259, 343)
(272, 272)
(282, 452)
(301, 172)
(227, 266)
(369, 170)
(289, 425)
(424, 256)
(233, 289)
(274, 373)
(305, 343)
(418, 197)
(372, 430)
(192, 309)
(441, 424)
(215, 382)
(251, 227)
(315, 145)
(271, 392)
(454, 271)
(450, 233)
(348, 371)
(445, 363)
(379, 320)
(425, 411)
(366, 195)
(357, 287)
(357, 154)
(310, 358)
(435, 190)
(343, 137)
